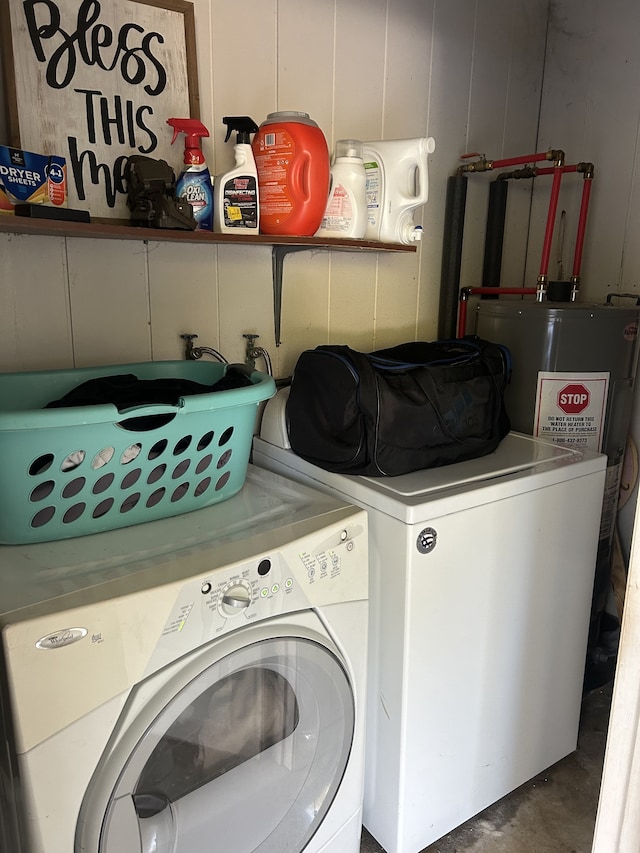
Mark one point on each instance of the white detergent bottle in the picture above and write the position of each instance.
(397, 183)
(346, 211)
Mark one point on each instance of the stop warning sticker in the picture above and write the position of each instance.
(571, 407)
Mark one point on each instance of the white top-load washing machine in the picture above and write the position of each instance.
(190, 684)
(480, 594)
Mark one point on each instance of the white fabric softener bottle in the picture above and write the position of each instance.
(346, 211)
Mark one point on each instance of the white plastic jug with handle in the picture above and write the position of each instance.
(397, 183)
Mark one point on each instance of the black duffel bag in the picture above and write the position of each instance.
(413, 406)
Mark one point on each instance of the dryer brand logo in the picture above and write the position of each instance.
(59, 639)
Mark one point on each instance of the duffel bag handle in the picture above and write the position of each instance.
(422, 353)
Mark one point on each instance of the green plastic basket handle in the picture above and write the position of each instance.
(166, 411)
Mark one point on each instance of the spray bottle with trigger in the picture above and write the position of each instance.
(236, 209)
(194, 183)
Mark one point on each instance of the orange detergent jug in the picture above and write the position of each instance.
(292, 159)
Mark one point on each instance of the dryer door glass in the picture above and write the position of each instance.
(246, 757)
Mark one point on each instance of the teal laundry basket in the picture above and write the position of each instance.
(68, 472)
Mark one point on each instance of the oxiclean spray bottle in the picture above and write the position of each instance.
(194, 183)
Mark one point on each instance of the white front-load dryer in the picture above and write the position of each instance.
(191, 684)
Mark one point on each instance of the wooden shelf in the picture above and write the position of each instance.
(118, 231)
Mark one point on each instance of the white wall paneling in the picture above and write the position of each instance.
(305, 64)
(362, 68)
(397, 300)
(409, 54)
(590, 108)
(305, 306)
(35, 317)
(183, 297)
(528, 24)
(450, 82)
(243, 51)
(353, 294)
(359, 94)
(109, 297)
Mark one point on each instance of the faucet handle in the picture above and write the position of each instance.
(189, 352)
(249, 353)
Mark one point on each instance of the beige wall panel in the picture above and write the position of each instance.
(245, 298)
(35, 327)
(526, 48)
(203, 13)
(305, 306)
(396, 299)
(487, 107)
(400, 68)
(306, 59)
(451, 70)
(353, 300)
(109, 301)
(563, 116)
(359, 69)
(410, 35)
(430, 268)
(590, 106)
(183, 295)
(244, 62)
(407, 73)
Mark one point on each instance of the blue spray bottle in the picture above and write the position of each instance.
(194, 183)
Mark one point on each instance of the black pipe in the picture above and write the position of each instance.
(451, 255)
(496, 215)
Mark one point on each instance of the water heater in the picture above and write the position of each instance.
(573, 377)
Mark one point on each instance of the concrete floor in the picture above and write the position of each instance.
(552, 813)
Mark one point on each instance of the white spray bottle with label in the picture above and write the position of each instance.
(397, 183)
(237, 205)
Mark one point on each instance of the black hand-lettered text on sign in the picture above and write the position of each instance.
(95, 81)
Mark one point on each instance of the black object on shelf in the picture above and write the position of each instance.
(43, 211)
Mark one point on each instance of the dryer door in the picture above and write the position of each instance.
(246, 756)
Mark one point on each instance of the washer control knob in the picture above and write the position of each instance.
(426, 541)
(235, 598)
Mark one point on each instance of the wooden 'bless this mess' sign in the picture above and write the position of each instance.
(95, 82)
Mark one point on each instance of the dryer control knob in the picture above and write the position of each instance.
(235, 598)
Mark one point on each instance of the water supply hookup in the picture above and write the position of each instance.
(191, 352)
(252, 352)
(452, 300)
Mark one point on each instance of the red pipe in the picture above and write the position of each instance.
(466, 292)
(551, 220)
(519, 161)
(484, 165)
(582, 225)
(550, 170)
(587, 169)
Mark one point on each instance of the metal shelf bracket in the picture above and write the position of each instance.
(278, 254)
